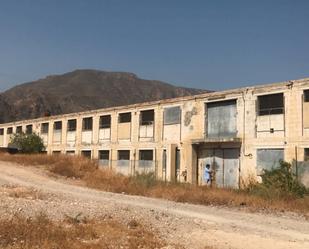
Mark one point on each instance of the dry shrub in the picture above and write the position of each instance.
(25, 193)
(73, 166)
(41, 232)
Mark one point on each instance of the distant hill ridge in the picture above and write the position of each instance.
(82, 90)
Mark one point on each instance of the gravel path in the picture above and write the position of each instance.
(192, 226)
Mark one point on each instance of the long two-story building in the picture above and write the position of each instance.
(238, 132)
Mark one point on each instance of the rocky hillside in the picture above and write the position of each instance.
(82, 90)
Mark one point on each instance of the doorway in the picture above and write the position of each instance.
(224, 164)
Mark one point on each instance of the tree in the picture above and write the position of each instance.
(27, 143)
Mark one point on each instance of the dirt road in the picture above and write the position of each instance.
(192, 226)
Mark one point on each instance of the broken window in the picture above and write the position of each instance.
(147, 117)
(1, 132)
(221, 119)
(58, 126)
(72, 125)
(146, 155)
(105, 122)
(306, 95)
(306, 157)
(270, 104)
(9, 130)
(104, 154)
(124, 117)
(123, 155)
(86, 153)
(87, 124)
(29, 129)
(172, 115)
(19, 129)
(268, 159)
(44, 128)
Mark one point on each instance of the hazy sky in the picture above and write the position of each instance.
(205, 44)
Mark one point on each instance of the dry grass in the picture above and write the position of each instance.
(146, 185)
(69, 166)
(23, 192)
(41, 232)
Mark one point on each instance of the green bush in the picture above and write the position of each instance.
(27, 143)
(279, 183)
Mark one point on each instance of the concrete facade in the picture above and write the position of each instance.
(238, 132)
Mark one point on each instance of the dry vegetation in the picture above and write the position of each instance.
(22, 192)
(72, 233)
(146, 185)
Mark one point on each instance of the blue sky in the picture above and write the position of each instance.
(204, 44)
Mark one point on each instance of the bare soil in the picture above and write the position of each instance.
(180, 224)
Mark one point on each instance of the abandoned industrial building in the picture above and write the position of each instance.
(238, 132)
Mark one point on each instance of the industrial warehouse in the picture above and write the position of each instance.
(238, 132)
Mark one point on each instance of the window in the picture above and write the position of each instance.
(70, 152)
(9, 130)
(146, 155)
(105, 121)
(271, 104)
(87, 124)
(306, 95)
(104, 154)
(124, 117)
(29, 129)
(86, 153)
(19, 129)
(1, 132)
(306, 157)
(221, 119)
(72, 125)
(268, 159)
(44, 128)
(147, 117)
(172, 115)
(58, 125)
(56, 152)
(123, 155)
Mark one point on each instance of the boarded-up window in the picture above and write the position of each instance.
(124, 117)
(147, 117)
(306, 157)
(146, 155)
(105, 121)
(72, 125)
(1, 132)
(172, 115)
(221, 119)
(270, 104)
(9, 130)
(306, 96)
(57, 125)
(19, 129)
(123, 155)
(104, 154)
(87, 124)
(86, 153)
(29, 129)
(268, 159)
(44, 128)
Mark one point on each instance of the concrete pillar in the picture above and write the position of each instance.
(171, 162)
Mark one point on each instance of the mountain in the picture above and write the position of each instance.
(82, 90)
